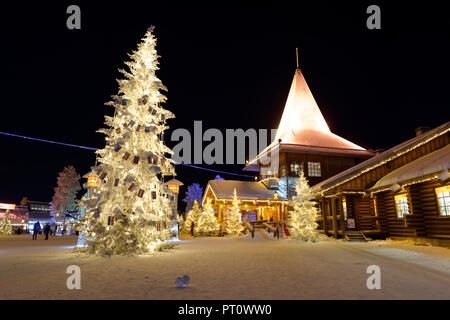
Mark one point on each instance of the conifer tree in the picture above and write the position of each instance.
(233, 219)
(207, 224)
(192, 217)
(5, 225)
(131, 213)
(302, 219)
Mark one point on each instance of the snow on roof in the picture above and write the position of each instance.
(223, 189)
(303, 128)
(90, 174)
(382, 157)
(175, 181)
(303, 123)
(434, 162)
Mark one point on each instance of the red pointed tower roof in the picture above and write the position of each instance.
(303, 128)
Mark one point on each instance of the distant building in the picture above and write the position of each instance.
(17, 214)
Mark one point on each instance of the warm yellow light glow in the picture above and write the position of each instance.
(443, 198)
(92, 181)
(174, 185)
(174, 188)
(275, 195)
(302, 121)
(401, 204)
(344, 206)
(7, 206)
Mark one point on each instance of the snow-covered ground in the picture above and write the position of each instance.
(227, 268)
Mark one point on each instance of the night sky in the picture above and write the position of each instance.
(229, 66)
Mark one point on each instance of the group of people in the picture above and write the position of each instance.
(47, 230)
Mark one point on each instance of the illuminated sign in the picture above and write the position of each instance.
(7, 206)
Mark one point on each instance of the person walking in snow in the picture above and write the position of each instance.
(46, 231)
(36, 229)
(192, 228)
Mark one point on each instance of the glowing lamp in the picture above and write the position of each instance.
(7, 206)
(91, 180)
(275, 195)
(174, 185)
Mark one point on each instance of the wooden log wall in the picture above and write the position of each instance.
(435, 226)
(365, 180)
(363, 209)
(381, 209)
(395, 226)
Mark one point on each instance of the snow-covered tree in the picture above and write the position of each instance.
(193, 193)
(233, 219)
(68, 185)
(192, 216)
(5, 225)
(207, 224)
(302, 219)
(131, 212)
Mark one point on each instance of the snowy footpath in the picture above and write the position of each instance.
(227, 268)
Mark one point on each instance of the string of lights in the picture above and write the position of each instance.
(94, 149)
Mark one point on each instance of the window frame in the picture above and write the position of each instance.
(294, 173)
(401, 196)
(437, 190)
(314, 167)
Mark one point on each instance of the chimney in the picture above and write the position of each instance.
(421, 130)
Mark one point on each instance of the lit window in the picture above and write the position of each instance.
(314, 169)
(344, 207)
(283, 170)
(296, 167)
(401, 204)
(443, 197)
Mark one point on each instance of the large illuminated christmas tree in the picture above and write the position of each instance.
(302, 219)
(131, 212)
(233, 219)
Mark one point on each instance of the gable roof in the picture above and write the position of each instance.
(252, 190)
(432, 163)
(382, 158)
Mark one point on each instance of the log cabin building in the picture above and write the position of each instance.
(256, 201)
(401, 192)
(303, 142)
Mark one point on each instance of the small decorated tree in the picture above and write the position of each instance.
(302, 219)
(207, 224)
(233, 219)
(192, 217)
(5, 224)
